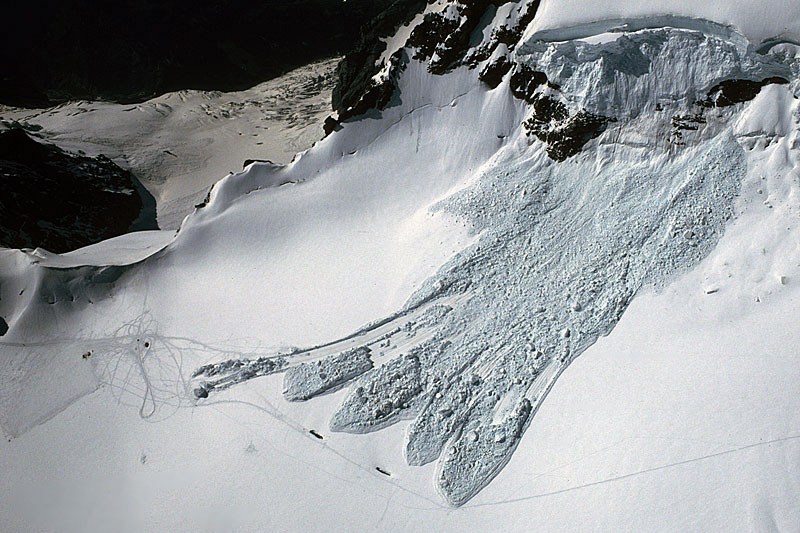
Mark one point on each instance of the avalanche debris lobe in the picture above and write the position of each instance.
(381, 396)
(550, 274)
(220, 376)
(547, 263)
(62, 201)
(310, 379)
(485, 338)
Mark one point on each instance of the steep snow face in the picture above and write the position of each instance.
(499, 229)
(756, 21)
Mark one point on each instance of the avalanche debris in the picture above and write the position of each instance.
(310, 379)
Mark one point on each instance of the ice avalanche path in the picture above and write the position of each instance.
(486, 236)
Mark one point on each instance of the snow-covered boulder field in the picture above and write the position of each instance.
(547, 257)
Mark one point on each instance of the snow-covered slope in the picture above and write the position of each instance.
(514, 201)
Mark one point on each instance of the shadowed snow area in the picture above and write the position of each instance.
(486, 236)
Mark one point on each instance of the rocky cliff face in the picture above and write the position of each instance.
(445, 35)
(60, 201)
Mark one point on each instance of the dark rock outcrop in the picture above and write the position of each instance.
(251, 161)
(445, 41)
(730, 92)
(525, 81)
(564, 134)
(492, 74)
(59, 201)
(355, 91)
(509, 36)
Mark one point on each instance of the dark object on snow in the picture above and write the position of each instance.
(60, 201)
(688, 122)
(3, 326)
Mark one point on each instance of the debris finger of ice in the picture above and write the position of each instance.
(307, 380)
